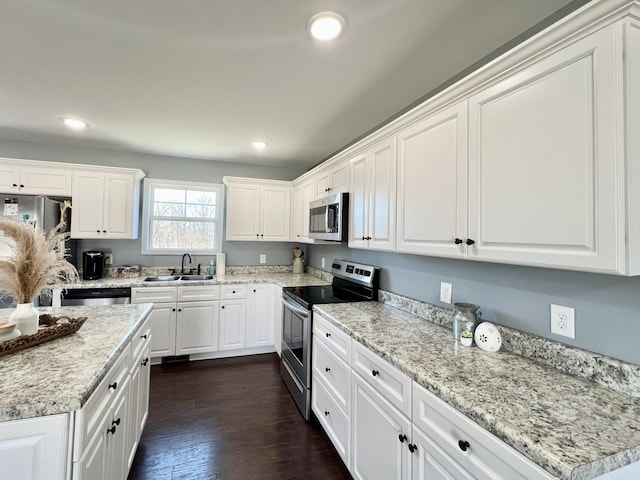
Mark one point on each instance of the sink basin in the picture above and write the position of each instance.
(162, 278)
(196, 277)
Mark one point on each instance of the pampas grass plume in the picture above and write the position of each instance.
(36, 262)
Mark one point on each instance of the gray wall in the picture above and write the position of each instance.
(607, 306)
(157, 166)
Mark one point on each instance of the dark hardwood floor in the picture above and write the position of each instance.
(230, 419)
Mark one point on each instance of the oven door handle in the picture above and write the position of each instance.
(300, 311)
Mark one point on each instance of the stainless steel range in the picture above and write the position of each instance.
(352, 282)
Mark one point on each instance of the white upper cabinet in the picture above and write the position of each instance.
(546, 175)
(26, 177)
(373, 197)
(303, 193)
(432, 184)
(258, 210)
(105, 204)
(332, 180)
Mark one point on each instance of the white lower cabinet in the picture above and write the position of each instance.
(197, 327)
(259, 315)
(34, 448)
(232, 324)
(380, 435)
(430, 462)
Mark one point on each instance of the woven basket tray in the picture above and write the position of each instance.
(49, 331)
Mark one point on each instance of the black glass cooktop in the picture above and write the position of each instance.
(309, 296)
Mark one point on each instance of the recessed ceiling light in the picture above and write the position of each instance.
(325, 26)
(74, 123)
(259, 145)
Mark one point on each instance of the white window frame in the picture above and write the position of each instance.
(147, 205)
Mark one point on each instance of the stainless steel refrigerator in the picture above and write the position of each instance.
(42, 212)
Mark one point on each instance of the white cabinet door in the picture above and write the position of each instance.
(118, 207)
(277, 318)
(88, 205)
(243, 212)
(9, 178)
(430, 462)
(546, 164)
(373, 197)
(143, 396)
(232, 324)
(332, 180)
(304, 192)
(116, 442)
(93, 464)
(45, 181)
(34, 448)
(197, 327)
(382, 195)
(432, 184)
(358, 199)
(259, 316)
(376, 429)
(163, 329)
(275, 204)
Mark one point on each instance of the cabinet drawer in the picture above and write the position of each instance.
(486, 457)
(332, 418)
(390, 382)
(201, 293)
(140, 339)
(334, 373)
(338, 341)
(154, 295)
(233, 291)
(88, 418)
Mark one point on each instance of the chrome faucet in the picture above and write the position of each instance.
(182, 266)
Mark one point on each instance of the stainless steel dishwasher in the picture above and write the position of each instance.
(96, 296)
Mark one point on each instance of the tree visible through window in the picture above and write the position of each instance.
(182, 217)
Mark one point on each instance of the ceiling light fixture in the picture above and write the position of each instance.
(74, 123)
(259, 145)
(325, 26)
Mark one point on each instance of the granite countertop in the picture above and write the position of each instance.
(60, 375)
(571, 427)
(282, 279)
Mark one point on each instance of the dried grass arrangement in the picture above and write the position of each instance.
(37, 261)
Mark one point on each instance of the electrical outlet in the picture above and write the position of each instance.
(446, 291)
(563, 321)
(322, 262)
(263, 258)
(108, 258)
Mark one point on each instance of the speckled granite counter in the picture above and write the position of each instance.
(571, 427)
(60, 375)
(283, 279)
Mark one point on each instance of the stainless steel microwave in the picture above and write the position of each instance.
(328, 218)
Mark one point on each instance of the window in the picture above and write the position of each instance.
(181, 217)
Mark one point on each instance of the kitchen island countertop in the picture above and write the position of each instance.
(60, 375)
(571, 427)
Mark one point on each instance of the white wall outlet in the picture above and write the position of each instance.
(322, 262)
(446, 291)
(108, 258)
(563, 321)
(263, 258)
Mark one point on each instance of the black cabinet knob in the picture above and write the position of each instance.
(15, 184)
(470, 242)
(375, 373)
(222, 306)
(262, 234)
(369, 238)
(364, 238)
(104, 231)
(254, 290)
(328, 334)
(144, 362)
(21, 186)
(114, 385)
(173, 309)
(234, 291)
(111, 430)
(97, 231)
(327, 369)
(402, 438)
(115, 422)
(257, 234)
(457, 241)
(412, 447)
(463, 444)
(326, 413)
(179, 309)
(143, 336)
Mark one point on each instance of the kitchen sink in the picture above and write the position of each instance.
(162, 278)
(196, 277)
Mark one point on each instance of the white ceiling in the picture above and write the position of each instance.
(203, 78)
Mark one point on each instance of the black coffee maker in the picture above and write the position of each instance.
(92, 265)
